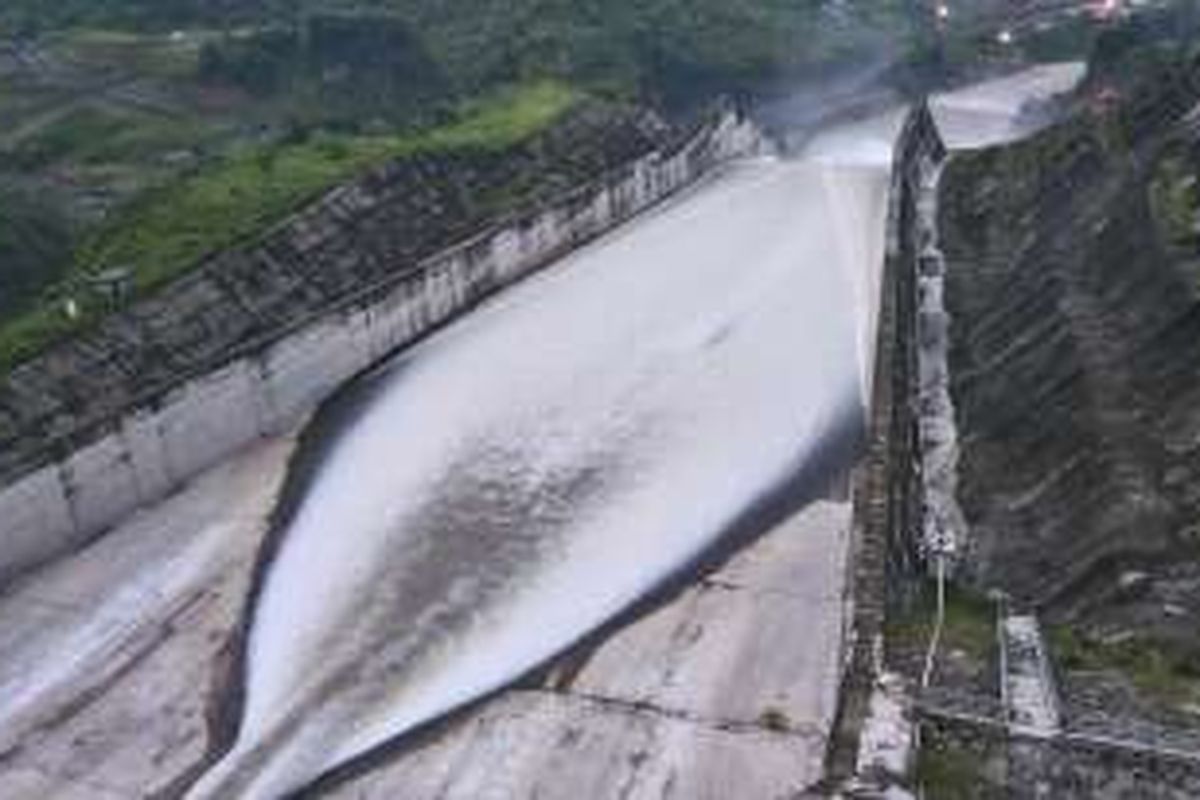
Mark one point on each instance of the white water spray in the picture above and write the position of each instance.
(537, 468)
(1004, 109)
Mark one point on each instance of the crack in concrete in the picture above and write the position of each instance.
(733, 587)
(804, 731)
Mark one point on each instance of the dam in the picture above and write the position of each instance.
(477, 505)
(638, 399)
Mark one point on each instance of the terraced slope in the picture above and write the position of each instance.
(1073, 285)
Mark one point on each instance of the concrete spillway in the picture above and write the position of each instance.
(529, 473)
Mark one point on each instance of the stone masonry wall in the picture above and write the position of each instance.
(65, 477)
(886, 483)
(973, 761)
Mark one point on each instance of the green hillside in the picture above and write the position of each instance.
(153, 132)
(669, 46)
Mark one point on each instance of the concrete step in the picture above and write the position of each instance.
(1030, 693)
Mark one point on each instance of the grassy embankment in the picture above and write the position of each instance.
(1167, 675)
(168, 230)
(968, 633)
(944, 770)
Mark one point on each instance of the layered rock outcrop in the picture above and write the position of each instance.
(1075, 360)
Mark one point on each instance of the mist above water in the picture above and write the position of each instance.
(1004, 109)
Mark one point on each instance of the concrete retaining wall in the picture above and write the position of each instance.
(885, 555)
(151, 451)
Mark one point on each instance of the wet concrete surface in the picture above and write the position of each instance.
(727, 690)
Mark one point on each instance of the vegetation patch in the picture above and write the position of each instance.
(333, 68)
(947, 769)
(969, 629)
(170, 229)
(1166, 673)
(84, 134)
(32, 234)
(656, 47)
(1175, 197)
(162, 55)
(946, 772)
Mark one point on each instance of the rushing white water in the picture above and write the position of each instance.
(1003, 109)
(532, 471)
(537, 468)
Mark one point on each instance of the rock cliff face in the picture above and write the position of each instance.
(1075, 362)
(356, 236)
